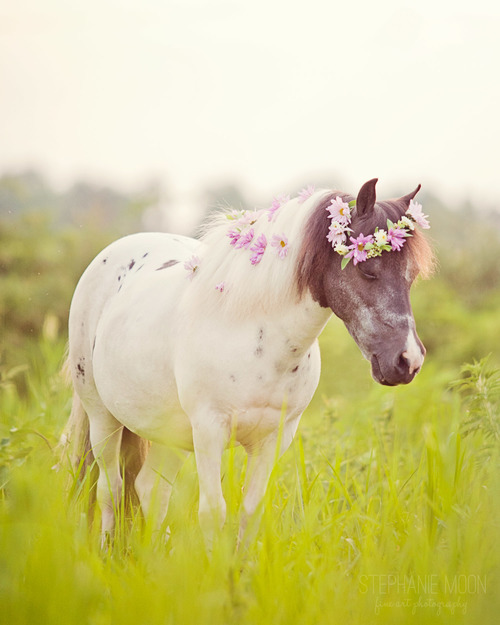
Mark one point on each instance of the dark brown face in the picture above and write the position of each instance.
(373, 297)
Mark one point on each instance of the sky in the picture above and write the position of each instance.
(266, 93)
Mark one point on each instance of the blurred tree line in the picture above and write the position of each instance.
(46, 241)
(47, 238)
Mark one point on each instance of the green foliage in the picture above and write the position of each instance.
(467, 242)
(39, 267)
(34, 403)
(480, 389)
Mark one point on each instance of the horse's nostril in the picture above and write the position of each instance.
(405, 363)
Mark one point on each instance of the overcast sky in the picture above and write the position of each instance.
(269, 93)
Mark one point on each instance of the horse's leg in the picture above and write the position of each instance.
(155, 480)
(261, 460)
(259, 466)
(105, 438)
(210, 437)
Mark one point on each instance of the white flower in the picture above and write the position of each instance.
(248, 218)
(406, 222)
(341, 249)
(336, 228)
(415, 212)
(336, 233)
(192, 265)
(380, 237)
(235, 215)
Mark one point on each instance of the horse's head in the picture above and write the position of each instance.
(371, 297)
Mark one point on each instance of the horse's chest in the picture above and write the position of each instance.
(250, 371)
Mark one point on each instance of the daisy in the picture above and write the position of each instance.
(248, 218)
(415, 212)
(341, 249)
(235, 215)
(192, 265)
(281, 245)
(245, 239)
(258, 248)
(234, 234)
(380, 237)
(358, 251)
(337, 233)
(396, 237)
(306, 193)
(277, 203)
(339, 211)
(406, 222)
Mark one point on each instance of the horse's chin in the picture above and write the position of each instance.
(389, 378)
(377, 372)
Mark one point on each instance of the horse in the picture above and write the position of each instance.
(180, 344)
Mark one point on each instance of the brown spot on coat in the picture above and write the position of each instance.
(167, 264)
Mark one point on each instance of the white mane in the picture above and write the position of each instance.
(250, 289)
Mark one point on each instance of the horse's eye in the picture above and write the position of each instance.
(367, 274)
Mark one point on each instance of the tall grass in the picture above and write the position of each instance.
(379, 513)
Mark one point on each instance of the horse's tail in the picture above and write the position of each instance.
(77, 449)
(75, 438)
(133, 452)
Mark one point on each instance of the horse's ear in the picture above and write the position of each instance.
(406, 198)
(366, 197)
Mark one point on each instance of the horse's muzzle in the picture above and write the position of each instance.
(401, 371)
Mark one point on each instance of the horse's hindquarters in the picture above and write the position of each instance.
(122, 333)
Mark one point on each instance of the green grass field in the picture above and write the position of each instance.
(384, 510)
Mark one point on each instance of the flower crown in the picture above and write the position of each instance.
(364, 247)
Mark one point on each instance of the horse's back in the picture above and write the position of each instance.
(123, 282)
(124, 261)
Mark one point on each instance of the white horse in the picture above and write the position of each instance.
(192, 343)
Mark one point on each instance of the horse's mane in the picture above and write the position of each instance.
(251, 289)
(273, 283)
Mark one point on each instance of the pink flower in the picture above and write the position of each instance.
(305, 193)
(396, 237)
(192, 266)
(234, 235)
(415, 212)
(220, 287)
(281, 245)
(339, 211)
(259, 248)
(277, 203)
(357, 251)
(245, 239)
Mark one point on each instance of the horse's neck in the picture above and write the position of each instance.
(302, 322)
